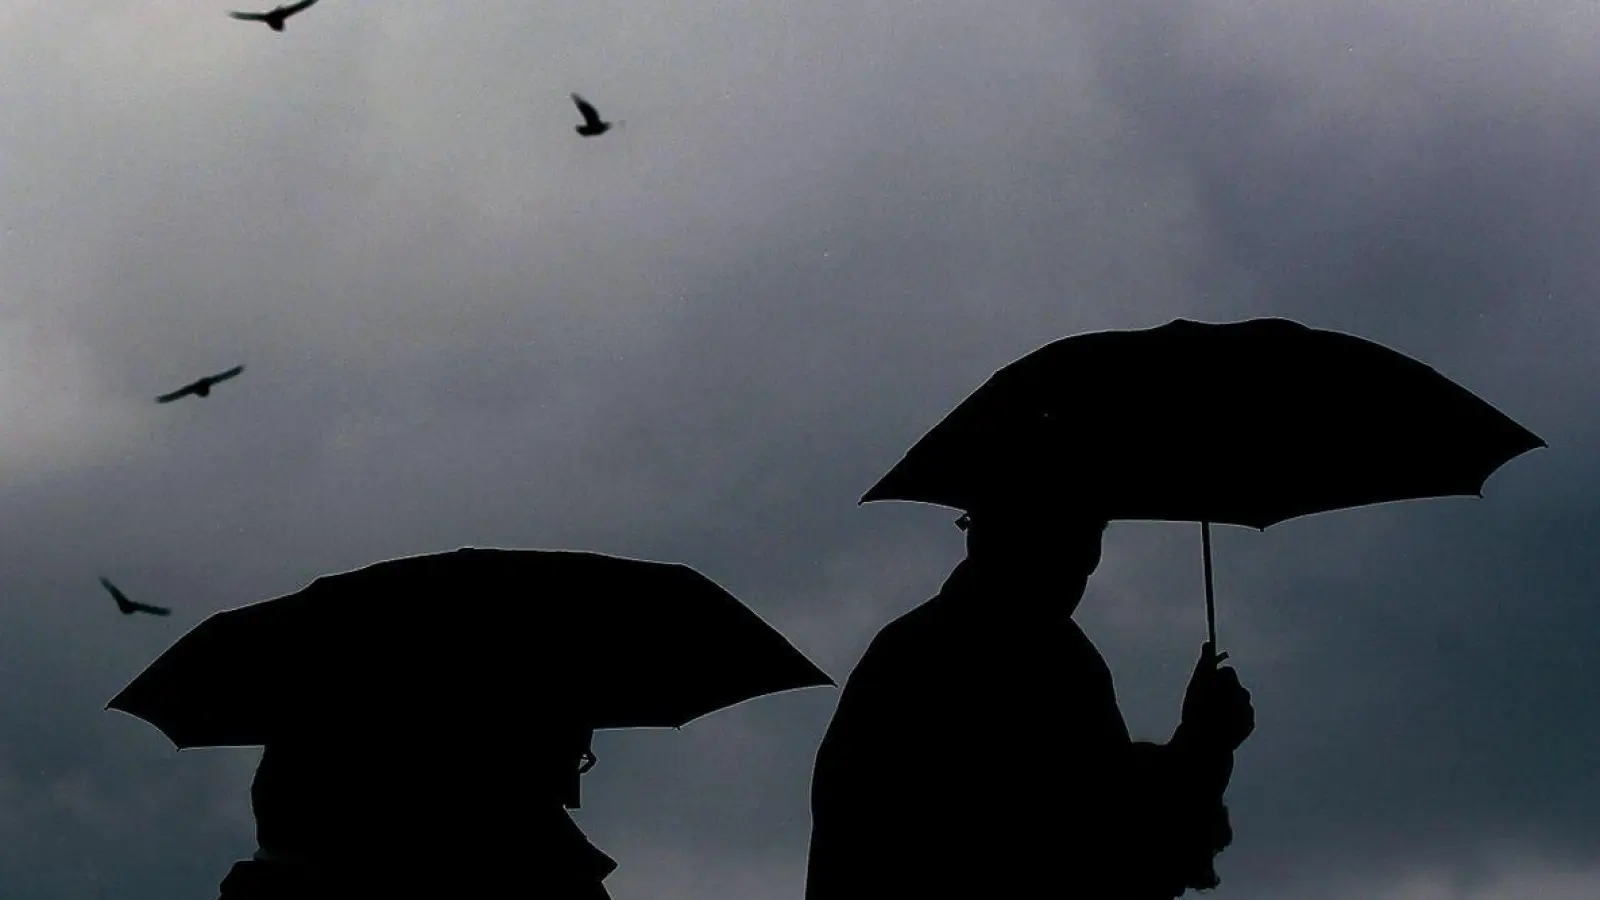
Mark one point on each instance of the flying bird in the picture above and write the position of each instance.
(129, 607)
(275, 18)
(201, 388)
(592, 124)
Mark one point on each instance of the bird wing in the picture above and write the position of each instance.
(122, 599)
(224, 376)
(293, 8)
(591, 115)
(249, 17)
(178, 394)
(147, 608)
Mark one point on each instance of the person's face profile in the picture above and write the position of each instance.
(566, 756)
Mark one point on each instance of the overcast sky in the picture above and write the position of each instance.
(701, 337)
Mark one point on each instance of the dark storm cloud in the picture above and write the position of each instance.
(702, 336)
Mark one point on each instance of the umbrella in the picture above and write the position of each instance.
(1245, 423)
(475, 637)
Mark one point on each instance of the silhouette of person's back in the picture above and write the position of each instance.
(978, 749)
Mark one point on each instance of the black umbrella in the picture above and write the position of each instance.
(465, 635)
(1245, 423)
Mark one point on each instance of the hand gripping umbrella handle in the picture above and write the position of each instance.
(1211, 600)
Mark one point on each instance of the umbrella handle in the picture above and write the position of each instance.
(1211, 600)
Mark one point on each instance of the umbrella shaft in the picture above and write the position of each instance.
(1211, 603)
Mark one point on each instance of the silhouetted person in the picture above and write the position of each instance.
(978, 750)
(129, 607)
(276, 18)
(593, 125)
(418, 816)
(201, 387)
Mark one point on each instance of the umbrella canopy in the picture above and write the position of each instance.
(473, 637)
(1246, 423)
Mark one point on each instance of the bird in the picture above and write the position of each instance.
(275, 18)
(201, 388)
(129, 607)
(592, 125)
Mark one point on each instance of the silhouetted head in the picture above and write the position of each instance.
(560, 757)
(1042, 550)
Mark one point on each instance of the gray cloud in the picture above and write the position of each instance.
(701, 337)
